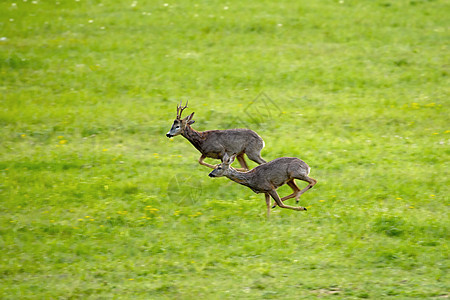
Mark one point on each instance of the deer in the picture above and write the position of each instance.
(217, 143)
(267, 177)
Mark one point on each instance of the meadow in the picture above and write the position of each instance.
(97, 203)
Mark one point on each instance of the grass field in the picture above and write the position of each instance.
(97, 203)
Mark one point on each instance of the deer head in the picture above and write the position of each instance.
(223, 168)
(179, 124)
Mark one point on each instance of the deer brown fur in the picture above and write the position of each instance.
(217, 143)
(266, 178)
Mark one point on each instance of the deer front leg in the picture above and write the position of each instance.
(268, 204)
(200, 161)
(280, 203)
(242, 162)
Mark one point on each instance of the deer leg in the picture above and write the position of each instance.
(280, 203)
(200, 161)
(256, 157)
(294, 187)
(242, 162)
(312, 182)
(268, 204)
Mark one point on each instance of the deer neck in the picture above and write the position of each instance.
(239, 177)
(194, 136)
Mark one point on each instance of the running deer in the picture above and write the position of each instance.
(217, 143)
(266, 178)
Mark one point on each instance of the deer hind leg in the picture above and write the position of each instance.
(295, 190)
(280, 203)
(200, 161)
(312, 182)
(256, 157)
(242, 162)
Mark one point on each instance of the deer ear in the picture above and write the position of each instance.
(225, 158)
(189, 119)
(231, 159)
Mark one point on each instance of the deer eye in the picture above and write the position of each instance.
(219, 168)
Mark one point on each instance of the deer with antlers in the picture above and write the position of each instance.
(266, 178)
(217, 143)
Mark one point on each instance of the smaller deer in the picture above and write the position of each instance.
(216, 143)
(266, 178)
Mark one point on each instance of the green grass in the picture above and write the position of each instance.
(98, 203)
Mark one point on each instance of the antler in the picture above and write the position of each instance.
(180, 109)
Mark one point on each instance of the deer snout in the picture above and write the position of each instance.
(211, 175)
(169, 135)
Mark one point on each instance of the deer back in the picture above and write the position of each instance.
(277, 172)
(236, 141)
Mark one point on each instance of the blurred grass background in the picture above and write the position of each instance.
(98, 203)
